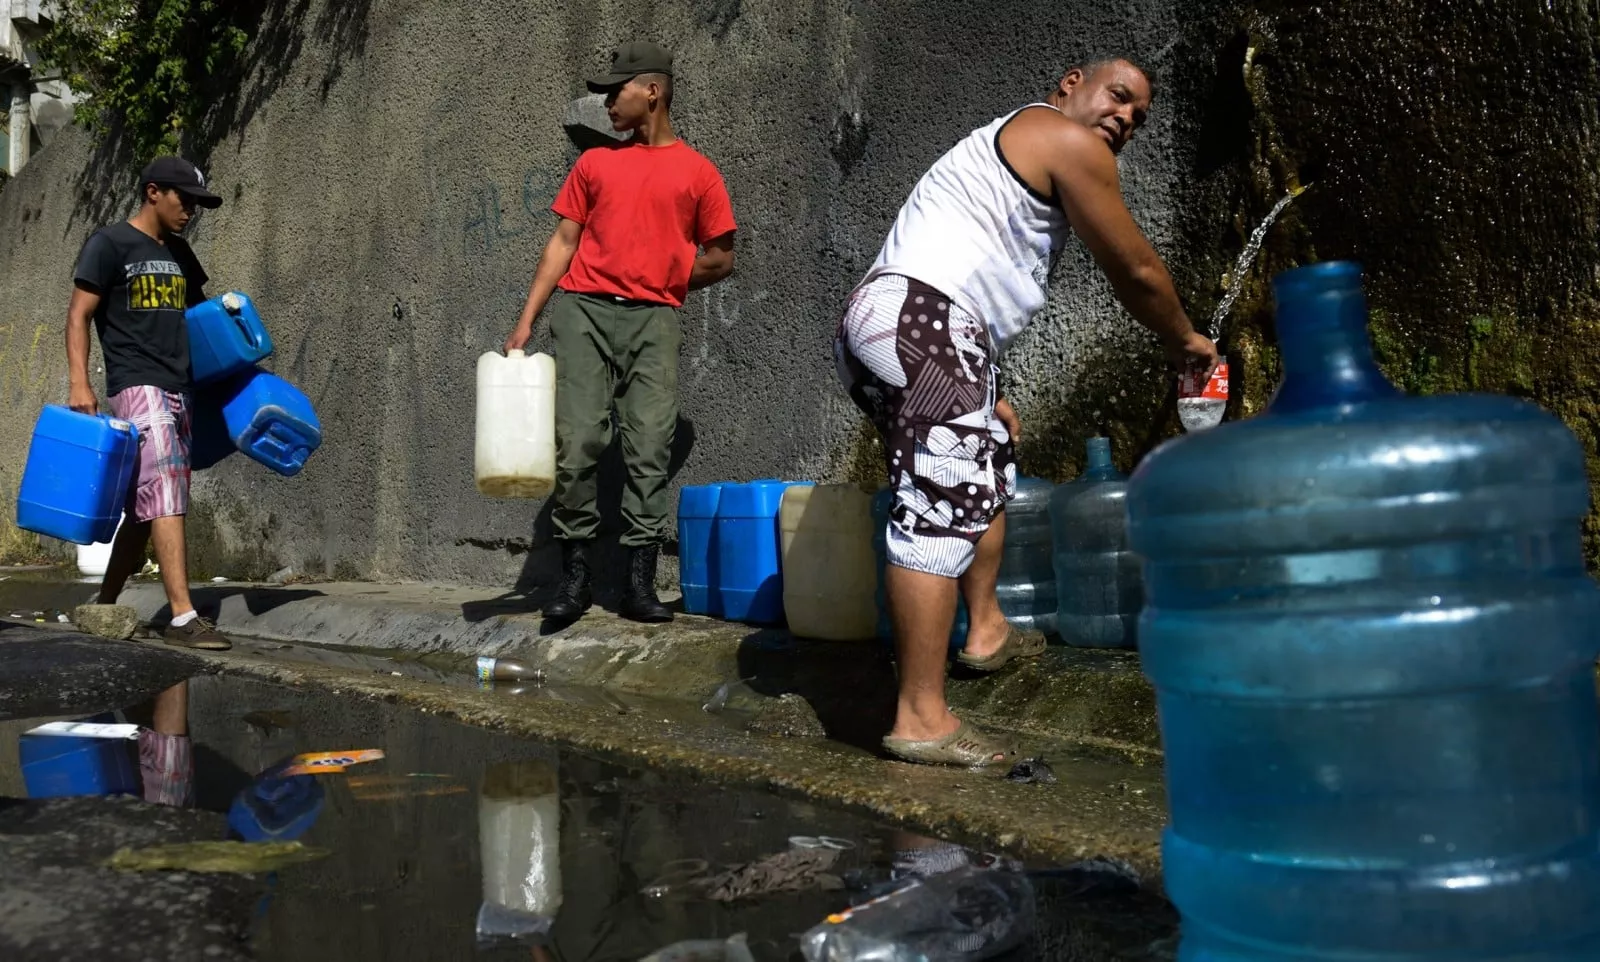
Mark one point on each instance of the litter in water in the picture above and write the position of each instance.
(719, 698)
(327, 763)
(705, 950)
(1032, 771)
(241, 858)
(795, 870)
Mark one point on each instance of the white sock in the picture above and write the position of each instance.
(178, 621)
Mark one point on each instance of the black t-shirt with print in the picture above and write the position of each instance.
(144, 287)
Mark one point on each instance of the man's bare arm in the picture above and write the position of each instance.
(714, 264)
(553, 263)
(1084, 175)
(80, 312)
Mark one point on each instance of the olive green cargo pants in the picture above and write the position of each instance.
(627, 355)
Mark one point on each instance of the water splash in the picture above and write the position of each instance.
(1246, 258)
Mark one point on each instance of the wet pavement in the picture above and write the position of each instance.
(638, 849)
(47, 670)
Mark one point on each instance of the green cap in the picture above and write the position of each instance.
(629, 61)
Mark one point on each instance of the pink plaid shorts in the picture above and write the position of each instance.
(161, 480)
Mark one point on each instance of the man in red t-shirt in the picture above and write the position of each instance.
(642, 223)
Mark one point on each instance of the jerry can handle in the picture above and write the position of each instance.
(233, 303)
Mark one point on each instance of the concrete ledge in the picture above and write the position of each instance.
(1095, 698)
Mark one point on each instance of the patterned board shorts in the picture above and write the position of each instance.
(161, 480)
(920, 368)
(166, 768)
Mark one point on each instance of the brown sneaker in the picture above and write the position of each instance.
(198, 633)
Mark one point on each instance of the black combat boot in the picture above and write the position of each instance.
(572, 595)
(639, 600)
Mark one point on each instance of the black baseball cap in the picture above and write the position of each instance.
(182, 176)
(629, 61)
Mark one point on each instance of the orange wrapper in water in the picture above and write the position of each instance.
(327, 763)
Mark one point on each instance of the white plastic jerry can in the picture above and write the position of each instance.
(94, 559)
(515, 454)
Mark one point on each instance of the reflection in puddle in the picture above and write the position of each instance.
(461, 843)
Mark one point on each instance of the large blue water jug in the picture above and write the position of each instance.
(748, 551)
(1373, 644)
(697, 513)
(226, 337)
(1027, 582)
(881, 503)
(1099, 585)
(263, 416)
(75, 483)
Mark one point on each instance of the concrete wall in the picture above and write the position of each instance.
(387, 166)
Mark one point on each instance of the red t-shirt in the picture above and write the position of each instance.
(644, 210)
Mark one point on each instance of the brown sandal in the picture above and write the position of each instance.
(1017, 645)
(966, 746)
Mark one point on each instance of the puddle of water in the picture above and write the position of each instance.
(614, 852)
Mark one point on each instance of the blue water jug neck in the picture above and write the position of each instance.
(1322, 336)
(1099, 466)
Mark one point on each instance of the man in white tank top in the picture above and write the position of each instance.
(964, 269)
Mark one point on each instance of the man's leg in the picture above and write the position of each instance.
(987, 626)
(158, 503)
(922, 608)
(166, 756)
(166, 536)
(647, 413)
(585, 374)
(919, 369)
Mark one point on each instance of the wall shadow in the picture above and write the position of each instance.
(541, 566)
(259, 601)
(106, 188)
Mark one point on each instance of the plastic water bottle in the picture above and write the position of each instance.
(961, 916)
(1202, 400)
(490, 670)
(1099, 586)
(1372, 639)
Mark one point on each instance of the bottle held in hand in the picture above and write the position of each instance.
(1202, 400)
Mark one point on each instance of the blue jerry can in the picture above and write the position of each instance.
(259, 414)
(226, 337)
(75, 483)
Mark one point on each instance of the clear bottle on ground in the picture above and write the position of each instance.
(961, 916)
(491, 670)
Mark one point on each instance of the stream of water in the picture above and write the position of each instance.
(1247, 257)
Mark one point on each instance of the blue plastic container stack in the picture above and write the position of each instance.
(56, 766)
(747, 549)
(1373, 643)
(1027, 582)
(75, 483)
(1099, 581)
(226, 337)
(881, 503)
(697, 514)
(260, 415)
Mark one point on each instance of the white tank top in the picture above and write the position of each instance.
(973, 229)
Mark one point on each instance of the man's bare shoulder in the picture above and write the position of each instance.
(1054, 140)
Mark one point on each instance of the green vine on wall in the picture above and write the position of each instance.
(143, 66)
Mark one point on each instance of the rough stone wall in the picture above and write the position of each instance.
(387, 166)
(387, 169)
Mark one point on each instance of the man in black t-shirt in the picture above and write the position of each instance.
(134, 281)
